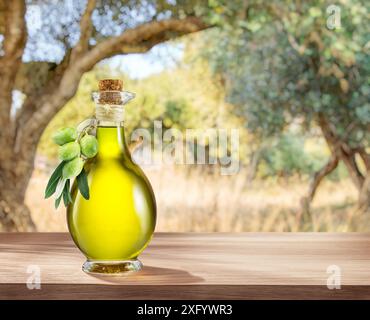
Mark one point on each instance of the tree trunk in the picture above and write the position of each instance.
(304, 217)
(341, 150)
(253, 166)
(364, 198)
(15, 172)
(14, 214)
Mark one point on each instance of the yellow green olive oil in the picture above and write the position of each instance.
(118, 220)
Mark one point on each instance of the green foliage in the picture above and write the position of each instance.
(59, 185)
(53, 181)
(282, 64)
(293, 154)
(287, 156)
(83, 185)
(66, 194)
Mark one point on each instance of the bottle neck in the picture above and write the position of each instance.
(111, 139)
(109, 105)
(109, 113)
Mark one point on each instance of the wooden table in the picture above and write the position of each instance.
(194, 266)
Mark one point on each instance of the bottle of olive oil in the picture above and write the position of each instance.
(116, 223)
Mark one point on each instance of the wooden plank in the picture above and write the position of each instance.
(194, 266)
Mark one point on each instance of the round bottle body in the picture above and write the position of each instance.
(118, 220)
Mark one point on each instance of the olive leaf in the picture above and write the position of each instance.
(57, 201)
(66, 195)
(69, 196)
(60, 187)
(53, 181)
(83, 185)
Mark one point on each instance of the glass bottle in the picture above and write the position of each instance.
(117, 222)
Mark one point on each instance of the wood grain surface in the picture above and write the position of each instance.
(194, 266)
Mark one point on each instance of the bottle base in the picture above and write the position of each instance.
(111, 267)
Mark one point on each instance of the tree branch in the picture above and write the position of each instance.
(320, 175)
(85, 31)
(145, 33)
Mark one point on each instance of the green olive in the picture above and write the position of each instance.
(69, 151)
(89, 146)
(65, 135)
(73, 168)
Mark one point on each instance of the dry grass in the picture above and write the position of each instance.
(193, 200)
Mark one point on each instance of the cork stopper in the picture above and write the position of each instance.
(110, 91)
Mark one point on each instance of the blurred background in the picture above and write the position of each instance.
(292, 76)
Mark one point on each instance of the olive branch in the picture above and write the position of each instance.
(75, 148)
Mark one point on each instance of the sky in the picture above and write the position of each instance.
(139, 66)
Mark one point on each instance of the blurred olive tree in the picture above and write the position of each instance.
(298, 63)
